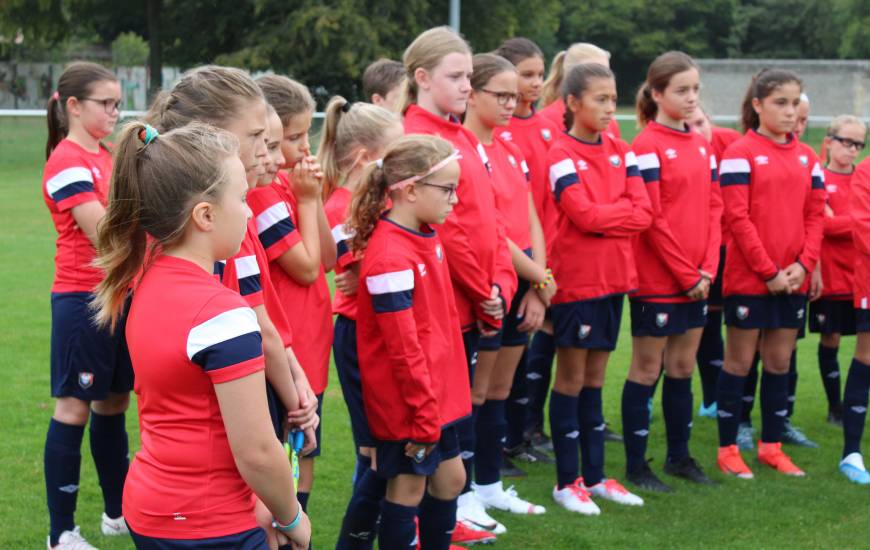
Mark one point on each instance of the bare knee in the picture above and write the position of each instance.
(71, 410)
(448, 481)
(114, 404)
(830, 340)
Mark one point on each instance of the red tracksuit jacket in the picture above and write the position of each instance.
(510, 176)
(860, 211)
(838, 251)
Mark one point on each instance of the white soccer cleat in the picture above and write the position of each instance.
(470, 511)
(70, 540)
(114, 527)
(612, 490)
(494, 496)
(575, 498)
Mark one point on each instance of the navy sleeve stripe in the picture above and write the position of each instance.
(391, 302)
(632, 171)
(650, 174)
(72, 189)
(230, 352)
(818, 183)
(565, 182)
(276, 232)
(250, 285)
(341, 248)
(734, 178)
(714, 175)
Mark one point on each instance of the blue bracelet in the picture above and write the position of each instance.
(290, 526)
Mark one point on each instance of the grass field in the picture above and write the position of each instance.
(820, 511)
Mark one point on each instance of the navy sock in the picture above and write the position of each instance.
(591, 420)
(515, 408)
(729, 400)
(538, 370)
(62, 462)
(855, 406)
(635, 423)
(829, 368)
(110, 450)
(363, 463)
(711, 353)
(564, 430)
(677, 408)
(792, 382)
(360, 523)
(489, 442)
(397, 530)
(467, 432)
(749, 389)
(774, 406)
(302, 497)
(437, 520)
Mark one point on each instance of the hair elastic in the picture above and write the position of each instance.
(148, 134)
(380, 164)
(346, 107)
(456, 155)
(55, 96)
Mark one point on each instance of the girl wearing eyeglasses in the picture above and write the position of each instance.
(832, 315)
(91, 376)
(490, 106)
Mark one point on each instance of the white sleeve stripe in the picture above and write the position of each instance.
(735, 166)
(246, 266)
(220, 328)
(817, 171)
(647, 161)
(712, 162)
(524, 166)
(66, 177)
(340, 234)
(630, 159)
(561, 169)
(385, 283)
(272, 215)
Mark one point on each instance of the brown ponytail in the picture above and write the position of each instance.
(77, 80)
(426, 52)
(763, 83)
(552, 86)
(658, 76)
(518, 49)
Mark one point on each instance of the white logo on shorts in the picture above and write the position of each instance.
(584, 331)
(800, 313)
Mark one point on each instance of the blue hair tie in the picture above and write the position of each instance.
(148, 134)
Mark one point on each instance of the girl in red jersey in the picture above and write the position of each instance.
(293, 229)
(679, 254)
(200, 386)
(773, 188)
(858, 381)
(832, 315)
(90, 370)
(553, 106)
(490, 107)
(603, 205)
(414, 378)
(439, 67)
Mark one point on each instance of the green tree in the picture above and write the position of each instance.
(129, 50)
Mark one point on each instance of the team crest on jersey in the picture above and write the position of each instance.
(422, 269)
(584, 331)
(671, 153)
(703, 151)
(821, 318)
(662, 319)
(545, 133)
(742, 312)
(800, 313)
(761, 160)
(581, 165)
(507, 136)
(805, 161)
(831, 188)
(615, 161)
(86, 380)
(512, 160)
(97, 173)
(439, 253)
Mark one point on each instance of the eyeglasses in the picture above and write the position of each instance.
(449, 189)
(849, 143)
(503, 98)
(109, 105)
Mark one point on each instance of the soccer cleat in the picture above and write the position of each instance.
(526, 453)
(610, 435)
(745, 434)
(794, 436)
(853, 468)
(509, 469)
(688, 469)
(575, 498)
(463, 534)
(470, 510)
(644, 478)
(771, 454)
(70, 540)
(612, 490)
(708, 412)
(114, 527)
(507, 501)
(732, 464)
(539, 440)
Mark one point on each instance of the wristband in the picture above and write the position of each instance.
(548, 279)
(290, 526)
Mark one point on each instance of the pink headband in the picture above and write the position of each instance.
(435, 167)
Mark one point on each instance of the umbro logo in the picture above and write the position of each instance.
(834, 374)
(581, 165)
(782, 413)
(724, 414)
(69, 489)
(601, 427)
(573, 435)
(641, 433)
(507, 136)
(761, 160)
(671, 154)
(859, 409)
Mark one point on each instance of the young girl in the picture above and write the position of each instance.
(414, 379)
(679, 255)
(553, 105)
(774, 197)
(206, 437)
(439, 66)
(90, 369)
(603, 205)
(490, 106)
(858, 381)
(832, 315)
(293, 229)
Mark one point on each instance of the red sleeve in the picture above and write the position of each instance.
(814, 217)
(711, 259)
(860, 207)
(276, 227)
(391, 289)
(735, 174)
(641, 214)
(505, 275)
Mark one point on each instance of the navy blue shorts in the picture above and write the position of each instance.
(392, 460)
(277, 412)
(766, 312)
(253, 539)
(862, 320)
(509, 335)
(87, 362)
(832, 316)
(347, 366)
(471, 341)
(316, 452)
(659, 320)
(588, 324)
(715, 297)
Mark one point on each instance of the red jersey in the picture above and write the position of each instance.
(306, 307)
(774, 197)
(679, 169)
(555, 113)
(337, 208)
(474, 236)
(860, 211)
(74, 176)
(602, 205)
(411, 359)
(186, 333)
(721, 138)
(838, 251)
(510, 176)
(534, 135)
